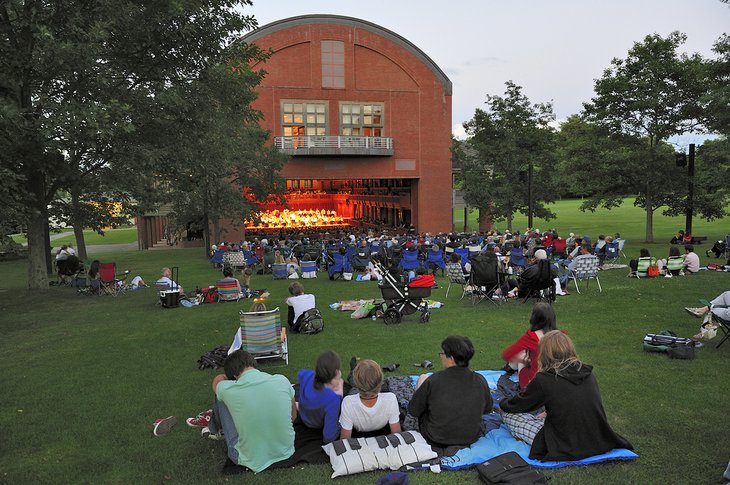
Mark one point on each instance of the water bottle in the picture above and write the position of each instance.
(374, 318)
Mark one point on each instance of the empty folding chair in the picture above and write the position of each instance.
(261, 335)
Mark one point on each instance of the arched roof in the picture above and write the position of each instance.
(357, 23)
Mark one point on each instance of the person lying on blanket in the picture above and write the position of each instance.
(574, 424)
(450, 403)
(522, 356)
(370, 412)
(320, 395)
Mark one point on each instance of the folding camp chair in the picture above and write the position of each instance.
(517, 259)
(228, 290)
(261, 335)
(278, 271)
(456, 276)
(484, 278)
(217, 258)
(309, 269)
(109, 283)
(723, 324)
(586, 268)
(621, 243)
(542, 287)
(435, 260)
(612, 252)
(234, 260)
(410, 260)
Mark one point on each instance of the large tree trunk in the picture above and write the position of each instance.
(509, 222)
(78, 226)
(485, 220)
(649, 218)
(37, 257)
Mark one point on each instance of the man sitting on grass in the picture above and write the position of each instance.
(166, 282)
(254, 412)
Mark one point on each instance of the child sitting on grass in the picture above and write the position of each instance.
(370, 412)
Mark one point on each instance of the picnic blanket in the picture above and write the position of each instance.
(500, 440)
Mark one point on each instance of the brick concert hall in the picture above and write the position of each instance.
(365, 116)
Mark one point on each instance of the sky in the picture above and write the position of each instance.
(554, 49)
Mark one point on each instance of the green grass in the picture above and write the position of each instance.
(121, 235)
(84, 377)
(627, 219)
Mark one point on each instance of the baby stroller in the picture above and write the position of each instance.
(400, 299)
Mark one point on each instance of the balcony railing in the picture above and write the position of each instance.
(335, 145)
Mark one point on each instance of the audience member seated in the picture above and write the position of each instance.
(444, 420)
(642, 265)
(320, 395)
(674, 264)
(229, 281)
(166, 283)
(691, 260)
(720, 307)
(574, 424)
(370, 412)
(537, 276)
(253, 411)
(523, 355)
(298, 303)
(678, 239)
(421, 279)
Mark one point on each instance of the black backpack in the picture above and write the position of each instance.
(509, 468)
(309, 322)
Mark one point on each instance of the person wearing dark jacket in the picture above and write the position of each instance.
(537, 276)
(574, 424)
(450, 403)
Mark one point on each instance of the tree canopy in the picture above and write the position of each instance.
(508, 143)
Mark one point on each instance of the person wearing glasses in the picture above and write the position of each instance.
(443, 420)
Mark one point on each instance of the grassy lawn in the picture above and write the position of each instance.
(121, 235)
(630, 221)
(85, 377)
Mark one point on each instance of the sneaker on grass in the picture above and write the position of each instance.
(164, 425)
(205, 433)
(201, 420)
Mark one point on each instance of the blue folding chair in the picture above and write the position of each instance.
(517, 259)
(278, 271)
(435, 259)
(612, 252)
(338, 265)
(410, 260)
(464, 254)
(217, 258)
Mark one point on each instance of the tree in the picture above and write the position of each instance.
(509, 166)
(74, 76)
(653, 94)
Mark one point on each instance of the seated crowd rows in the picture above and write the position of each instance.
(556, 408)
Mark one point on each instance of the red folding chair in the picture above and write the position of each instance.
(110, 284)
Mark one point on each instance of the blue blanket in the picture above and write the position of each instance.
(499, 441)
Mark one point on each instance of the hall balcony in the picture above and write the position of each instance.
(335, 145)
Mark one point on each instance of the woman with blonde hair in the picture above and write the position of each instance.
(574, 424)
(370, 412)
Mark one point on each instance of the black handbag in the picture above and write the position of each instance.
(509, 468)
(682, 351)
